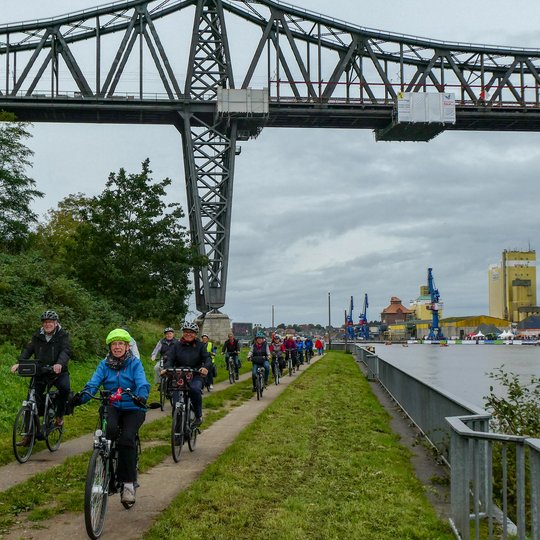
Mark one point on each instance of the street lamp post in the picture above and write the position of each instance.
(329, 324)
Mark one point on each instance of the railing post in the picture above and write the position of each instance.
(459, 484)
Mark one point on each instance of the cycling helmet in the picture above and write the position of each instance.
(205, 335)
(49, 315)
(187, 325)
(118, 334)
(259, 334)
(168, 329)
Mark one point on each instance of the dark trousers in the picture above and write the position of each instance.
(128, 424)
(195, 393)
(61, 382)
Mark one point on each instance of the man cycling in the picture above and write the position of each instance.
(299, 350)
(231, 349)
(258, 354)
(277, 349)
(189, 352)
(290, 348)
(161, 349)
(121, 369)
(308, 345)
(50, 346)
(212, 372)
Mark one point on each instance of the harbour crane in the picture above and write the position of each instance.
(435, 332)
(349, 321)
(363, 331)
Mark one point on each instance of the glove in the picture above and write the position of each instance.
(139, 400)
(74, 401)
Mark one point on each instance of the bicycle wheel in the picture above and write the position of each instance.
(162, 392)
(276, 372)
(96, 493)
(258, 385)
(193, 431)
(51, 432)
(231, 372)
(177, 432)
(290, 367)
(24, 434)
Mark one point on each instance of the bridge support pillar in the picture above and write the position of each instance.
(217, 325)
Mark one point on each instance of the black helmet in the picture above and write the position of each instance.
(49, 315)
(168, 329)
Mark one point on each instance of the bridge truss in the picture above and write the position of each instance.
(164, 61)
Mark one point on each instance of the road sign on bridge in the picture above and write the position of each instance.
(167, 61)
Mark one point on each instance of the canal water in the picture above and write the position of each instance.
(463, 370)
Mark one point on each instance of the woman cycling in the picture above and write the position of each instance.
(121, 369)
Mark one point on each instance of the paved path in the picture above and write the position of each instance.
(163, 482)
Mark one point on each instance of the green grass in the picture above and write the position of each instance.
(320, 462)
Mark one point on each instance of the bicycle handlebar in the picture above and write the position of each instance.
(107, 395)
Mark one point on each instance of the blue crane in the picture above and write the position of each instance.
(435, 332)
(363, 331)
(349, 321)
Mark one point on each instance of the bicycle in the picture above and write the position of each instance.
(27, 426)
(101, 478)
(231, 368)
(259, 381)
(276, 371)
(290, 362)
(183, 427)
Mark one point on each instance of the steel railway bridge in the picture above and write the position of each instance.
(171, 62)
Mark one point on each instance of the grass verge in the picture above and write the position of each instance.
(320, 462)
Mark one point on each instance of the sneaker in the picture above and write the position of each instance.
(128, 494)
(211, 387)
(198, 421)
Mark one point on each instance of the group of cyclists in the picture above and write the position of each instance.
(122, 369)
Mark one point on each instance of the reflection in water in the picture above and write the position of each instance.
(462, 370)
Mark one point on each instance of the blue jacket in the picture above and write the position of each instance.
(131, 376)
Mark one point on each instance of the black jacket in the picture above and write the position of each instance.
(55, 351)
(229, 347)
(191, 355)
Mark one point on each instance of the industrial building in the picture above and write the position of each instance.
(512, 286)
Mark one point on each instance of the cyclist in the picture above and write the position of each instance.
(121, 369)
(189, 352)
(299, 350)
(161, 349)
(231, 349)
(308, 344)
(290, 348)
(258, 354)
(50, 346)
(212, 372)
(277, 349)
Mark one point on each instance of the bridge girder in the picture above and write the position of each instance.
(122, 63)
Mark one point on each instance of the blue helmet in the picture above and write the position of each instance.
(260, 334)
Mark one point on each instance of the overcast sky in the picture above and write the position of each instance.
(342, 213)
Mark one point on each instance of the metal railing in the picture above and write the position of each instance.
(494, 478)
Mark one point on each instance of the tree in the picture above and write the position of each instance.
(17, 190)
(130, 247)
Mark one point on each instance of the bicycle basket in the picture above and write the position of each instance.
(28, 369)
(180, 380)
